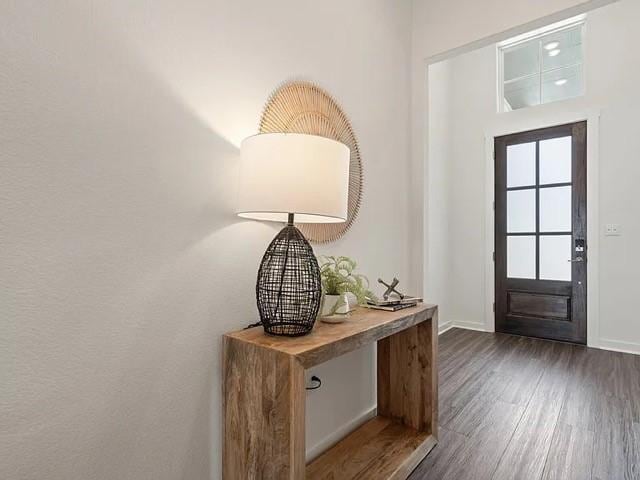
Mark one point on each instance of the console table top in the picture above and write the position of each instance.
(328, 340)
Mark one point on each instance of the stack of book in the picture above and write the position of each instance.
(393, 304)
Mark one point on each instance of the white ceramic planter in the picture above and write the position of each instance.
(335, 305)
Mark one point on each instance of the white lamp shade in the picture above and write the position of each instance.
(282, 173)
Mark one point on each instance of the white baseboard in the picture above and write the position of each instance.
(618, 346)
(480, 327)
(444, 327)
(330, 440)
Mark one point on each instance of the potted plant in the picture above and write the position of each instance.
(339, 280)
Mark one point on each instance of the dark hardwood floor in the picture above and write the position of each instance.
(526, 409)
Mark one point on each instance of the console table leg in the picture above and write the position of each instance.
(264, 414)
(408, 377)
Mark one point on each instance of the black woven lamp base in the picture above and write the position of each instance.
(289, 290)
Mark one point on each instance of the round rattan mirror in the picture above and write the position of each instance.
(303, 107)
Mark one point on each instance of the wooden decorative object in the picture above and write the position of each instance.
(302, 107)
(264, 399)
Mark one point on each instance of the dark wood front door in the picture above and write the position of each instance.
(540, 233)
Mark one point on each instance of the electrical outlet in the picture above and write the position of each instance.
(612, 230)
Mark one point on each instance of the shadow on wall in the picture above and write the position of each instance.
(126, 260)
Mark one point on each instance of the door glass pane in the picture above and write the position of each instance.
(555, 253)
(521, 257)
(555, 160)
(521, 211)
(555, 209)
(521, 165)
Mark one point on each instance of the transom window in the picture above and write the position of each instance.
(542, 66)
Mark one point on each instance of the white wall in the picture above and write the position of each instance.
(438, 191)
(613, 73)
(122, 261)
(471, 98)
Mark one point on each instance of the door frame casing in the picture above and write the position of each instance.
(508, 124)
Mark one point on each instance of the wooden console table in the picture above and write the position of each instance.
(264, 399)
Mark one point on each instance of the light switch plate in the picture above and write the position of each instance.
(612, 230)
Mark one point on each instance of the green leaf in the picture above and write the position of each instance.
(338, 277)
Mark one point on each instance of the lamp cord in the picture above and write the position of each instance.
(251, 325)
(318, 383)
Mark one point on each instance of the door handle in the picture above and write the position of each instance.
(577, 260)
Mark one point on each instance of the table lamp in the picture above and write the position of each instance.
(287, 177)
